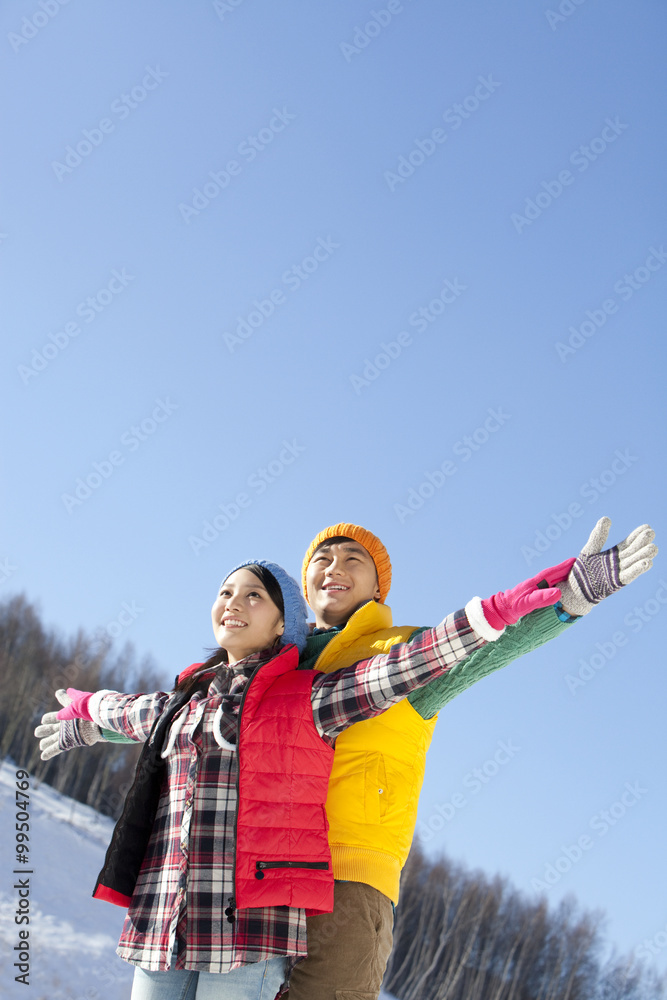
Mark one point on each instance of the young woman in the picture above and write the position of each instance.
(222, 846)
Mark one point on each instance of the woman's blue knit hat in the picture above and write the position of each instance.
(296, 609)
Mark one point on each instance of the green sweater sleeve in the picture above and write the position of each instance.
(112, 737)
(531, 631)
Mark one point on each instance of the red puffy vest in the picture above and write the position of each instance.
(282, 849)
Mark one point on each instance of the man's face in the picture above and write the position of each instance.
(340, 578)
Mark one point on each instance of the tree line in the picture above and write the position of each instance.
(34, 662)
(459, 935)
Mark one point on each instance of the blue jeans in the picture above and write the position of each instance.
(259, 981)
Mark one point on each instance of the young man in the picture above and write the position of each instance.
(379, 764)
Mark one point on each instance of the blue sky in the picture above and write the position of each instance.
(268, 267)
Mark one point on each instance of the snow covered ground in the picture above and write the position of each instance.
(72, 937)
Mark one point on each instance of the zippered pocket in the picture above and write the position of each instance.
(260, 866)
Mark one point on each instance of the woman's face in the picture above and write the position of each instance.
(245, 619)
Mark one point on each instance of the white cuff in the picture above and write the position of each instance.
(219, 738)
(475, 615)
(174, 729)
(94, 706)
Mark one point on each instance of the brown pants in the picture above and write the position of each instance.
(347, 949)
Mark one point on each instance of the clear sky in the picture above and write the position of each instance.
(272, 266)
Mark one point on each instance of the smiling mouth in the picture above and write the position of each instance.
(233, 623)
(334, 586)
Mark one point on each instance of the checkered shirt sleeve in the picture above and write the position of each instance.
(131, 715)
(369, 687)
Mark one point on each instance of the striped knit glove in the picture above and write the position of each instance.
(56, 736)
(596, 574)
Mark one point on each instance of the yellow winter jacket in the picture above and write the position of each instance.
(378, 766)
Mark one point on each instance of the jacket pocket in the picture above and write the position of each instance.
(262, 866)
(375, 791)
(354, 995)
(354, 789)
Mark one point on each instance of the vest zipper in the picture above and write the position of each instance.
(259, 865)
(230, 910)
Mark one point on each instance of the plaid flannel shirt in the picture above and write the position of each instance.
(186, 879)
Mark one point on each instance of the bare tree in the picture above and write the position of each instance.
(462, 936)
(34, 662)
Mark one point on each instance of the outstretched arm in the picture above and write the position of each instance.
(58, 735)
(129, 715)
(593, 576)
(528, 634)
(371, 686)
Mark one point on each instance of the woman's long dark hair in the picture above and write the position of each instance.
(218, 655)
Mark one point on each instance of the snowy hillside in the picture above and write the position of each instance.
(72, 937)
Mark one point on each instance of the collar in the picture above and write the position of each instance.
(234, 677)
(369, 619)
(369, 616)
